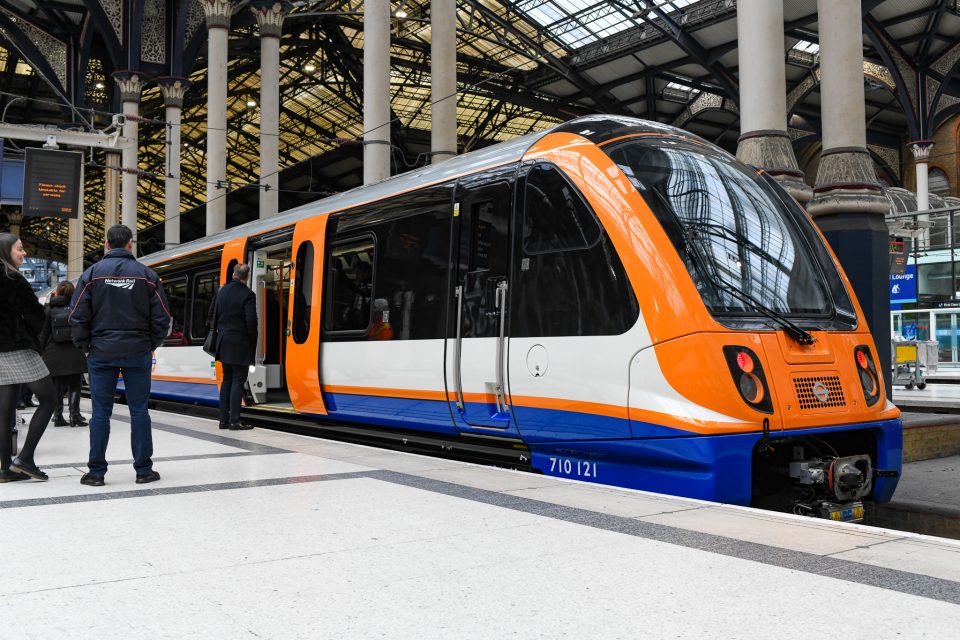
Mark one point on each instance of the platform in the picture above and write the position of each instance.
(937, 396)
(271, 535)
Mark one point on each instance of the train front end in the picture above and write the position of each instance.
(753, 322)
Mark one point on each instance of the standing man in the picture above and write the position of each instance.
(235, 317)
(119, 315)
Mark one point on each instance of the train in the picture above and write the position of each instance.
(622, 300)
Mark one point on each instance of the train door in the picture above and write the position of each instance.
(477, 338)
(271, 268)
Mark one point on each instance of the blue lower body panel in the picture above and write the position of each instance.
(192, 392)
(715, 468)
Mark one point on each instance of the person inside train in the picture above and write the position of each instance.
(21, 317)
(380, 328)
(66, 362)
(234, 314)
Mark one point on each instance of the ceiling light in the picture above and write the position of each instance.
(400, 14)
(99, 85)
(309, 67)
(251, 103)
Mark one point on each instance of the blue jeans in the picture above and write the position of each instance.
(104, 374)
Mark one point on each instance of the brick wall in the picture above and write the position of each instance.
(925, 442)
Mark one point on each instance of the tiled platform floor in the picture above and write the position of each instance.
(260, 534)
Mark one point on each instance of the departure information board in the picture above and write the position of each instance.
(51, 183)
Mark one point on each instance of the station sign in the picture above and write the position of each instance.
(51, 183)
(903, 287)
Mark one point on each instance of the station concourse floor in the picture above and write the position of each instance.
(263, 534)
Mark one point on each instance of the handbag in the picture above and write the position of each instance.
(210, 342)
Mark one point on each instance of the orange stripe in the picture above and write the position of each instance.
(184, 379)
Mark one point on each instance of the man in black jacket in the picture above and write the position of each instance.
(119, 315)
(236, 322)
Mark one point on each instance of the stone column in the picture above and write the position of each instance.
(443, 79)
(75, 239)
(270, 16)
(218, 14)
(764, 142)
(130, 84)
(173, 90)
(848, 202)
(376, 90)
(111, 181)
(921, 155)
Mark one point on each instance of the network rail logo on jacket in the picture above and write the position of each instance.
(121, 283)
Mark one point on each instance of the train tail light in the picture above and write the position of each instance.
(867, 372)
(749, 378)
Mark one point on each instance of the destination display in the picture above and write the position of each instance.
(51, 183)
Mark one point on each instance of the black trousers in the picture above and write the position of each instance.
(68, 386)
(47, 395)
(231, 391)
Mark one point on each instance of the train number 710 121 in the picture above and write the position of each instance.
(573, 467)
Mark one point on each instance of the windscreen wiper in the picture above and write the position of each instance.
(693, 250)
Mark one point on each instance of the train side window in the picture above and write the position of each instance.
(570, 280)
(349, 285)
(205, 287)
(176, 290)
(303, 292)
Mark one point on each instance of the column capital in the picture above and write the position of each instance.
(921, 149)
(130, 83)
(173, 89)
(270, 15)
(218, 13)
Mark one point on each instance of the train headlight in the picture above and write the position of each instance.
(867, 372)
(748, 376)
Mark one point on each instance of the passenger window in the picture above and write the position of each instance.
(205, 286)
(349, 285)
(570, 280)
(302, 292)
(176, 290)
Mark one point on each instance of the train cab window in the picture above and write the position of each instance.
(176, 290)
(569, 280)
(303, 293)
(349, 286)
(205, 286)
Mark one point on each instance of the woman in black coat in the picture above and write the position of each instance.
(66, 362)
(21, 318)
(235, 317)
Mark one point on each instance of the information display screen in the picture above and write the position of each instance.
(51, 183)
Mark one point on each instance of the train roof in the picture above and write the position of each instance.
(596, 128)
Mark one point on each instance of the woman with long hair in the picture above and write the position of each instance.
(21, 318)
(66, 362)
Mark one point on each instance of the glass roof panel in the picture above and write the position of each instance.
(581, 22)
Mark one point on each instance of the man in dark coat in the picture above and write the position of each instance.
(235, 317)
(120, 315)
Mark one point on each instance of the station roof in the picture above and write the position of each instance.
(523, 65)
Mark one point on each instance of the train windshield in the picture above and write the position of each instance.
(747, 245)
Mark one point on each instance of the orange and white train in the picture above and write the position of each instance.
(624, 300)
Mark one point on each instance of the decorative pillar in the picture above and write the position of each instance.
(15, 218)
(764, 142)
(921, 155)
(848, 202)
(173, 90)
(111, 179)
(218, 14)
(75, 239)
(376, 90)
(443, 79)
(270, 15)
(130, 84)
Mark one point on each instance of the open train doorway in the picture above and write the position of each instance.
(270, 276)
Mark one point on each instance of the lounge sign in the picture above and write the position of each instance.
(51, 183)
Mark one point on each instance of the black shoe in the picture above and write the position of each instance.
(11, 476)
(239, 426)
(59, 421)
(29, 469)
(153, 476)
(78, 421)
(224, 425)
(91, 480)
